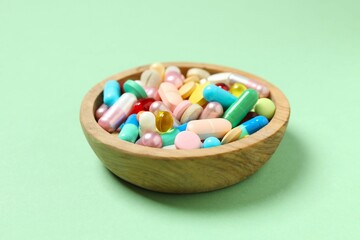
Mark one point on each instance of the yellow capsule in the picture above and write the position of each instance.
(237, 89)
(164, 121)
(197, 95)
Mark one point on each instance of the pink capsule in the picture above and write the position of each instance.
(150, 139)
(117, 113)
(212, 110)
(100, 111)
(174, 78)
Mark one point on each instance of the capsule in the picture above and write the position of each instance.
(237, 89)
(146, 123)
(142, 105)
(111, 92)
(164, 121)
(130, 131)
(101, 110)
(117, 113)
(215, 127)
(213, 93)
(253, 125)
(238, 110)
(262, 90)
(212, 110)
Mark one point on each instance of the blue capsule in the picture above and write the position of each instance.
(211, 142)
(130, 131)
(253, 125)
(182, 127)
(213, 93)
(111, 92)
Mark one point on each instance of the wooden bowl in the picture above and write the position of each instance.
(183, 171)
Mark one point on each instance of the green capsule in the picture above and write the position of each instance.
(238, 110)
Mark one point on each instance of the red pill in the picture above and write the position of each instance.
(223, 86)
(142, 105)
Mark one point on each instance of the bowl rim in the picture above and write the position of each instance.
(92, 128)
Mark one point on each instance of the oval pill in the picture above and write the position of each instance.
(169, 95)
(193, 112)
(232, 135)
(187, 89)
(101, 110)
(111, 92)
(187, 140)
(164, 121)
(146, 123)
(201, 73)
(262, 90)
(180, 108)
(215, 127)
(150, 139)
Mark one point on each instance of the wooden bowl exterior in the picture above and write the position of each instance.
(183, 171)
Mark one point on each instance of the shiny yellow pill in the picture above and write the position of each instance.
(164, 121)
(237, 89)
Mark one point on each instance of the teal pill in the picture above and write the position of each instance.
(111, 92)
(238, 110)
(132, 87)
(168, 138)
(213, 93)
(130, 131)
(211, 142)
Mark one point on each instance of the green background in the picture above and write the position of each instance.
(52, 186)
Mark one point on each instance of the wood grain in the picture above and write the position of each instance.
(184, 171)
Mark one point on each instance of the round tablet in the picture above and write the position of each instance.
(192, 78)
(131, 86)
(231, 135)
(187, 140)
(265, 107)
(191, 113)
(180, 108)
(187, 89)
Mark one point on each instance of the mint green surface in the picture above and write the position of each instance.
(52, 186)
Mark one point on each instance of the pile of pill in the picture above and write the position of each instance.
(165, 109)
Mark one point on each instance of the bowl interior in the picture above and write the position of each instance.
(93, 100)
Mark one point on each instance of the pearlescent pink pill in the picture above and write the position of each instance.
(152, 92)
(214, 127)
(100, 111)
(180, 108)
(170, 95)
(118, 112)
(174, 78)
(212, 110)
(150, 139)
(187, 140)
